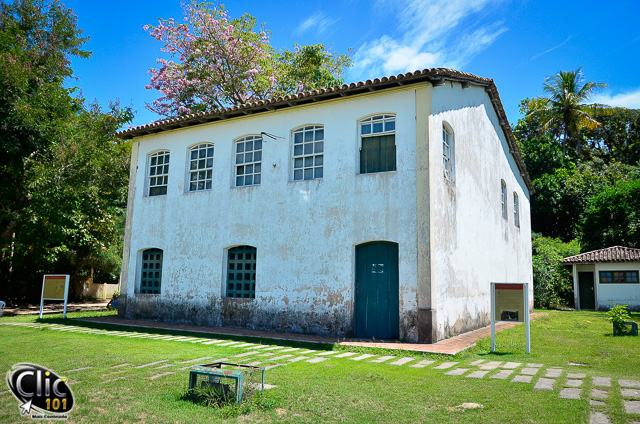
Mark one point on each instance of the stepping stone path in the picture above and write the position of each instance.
(540, 377)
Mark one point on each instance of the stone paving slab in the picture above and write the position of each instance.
(308, 352)
(200, 341)
(273, 348)
(599, 418)
(534, 365)
(402, 361)
(602, 381)
(544, 384)
(189, 339)
(164, 366)
(151, 363)
(317, 359)
(190, 361)
(211, 342)
(251, 352)
(382, 359)
(522, 379)
(291, 349)
(570, 393)
(277, 358)
(477, 374)
(632, 393)
(267, 354)
(599, 394)
(576, 375)
(153, 377)
(632, 406)
(553, 372)
(629, 383)
(476, 363)
(502, 374)
(445, 365)
(529, 371)
(457, 371)
(328, 352)
(361, 357)
(345, 355)
(594, 402)
(511, 365)
(491, 365)
(113, 379)
(573, 383)
(121, 365)
(77, 369)
(112, 373)
(422, 363)
(270, 367)
(247, 345)
(227, 344)
(298, 358)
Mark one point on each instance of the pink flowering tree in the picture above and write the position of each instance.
(216, 61)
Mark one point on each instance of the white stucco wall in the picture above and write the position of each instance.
(608, 294)
(304, 232)
(472, 245)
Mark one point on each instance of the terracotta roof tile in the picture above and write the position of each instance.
(433, 75)
(610, 254)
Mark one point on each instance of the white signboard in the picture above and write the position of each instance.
(509, 303)
(55, 287)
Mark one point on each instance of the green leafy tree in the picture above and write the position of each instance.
(617, 139)
(612, 217)
(562, 112)
(63, 173)
(552, 281)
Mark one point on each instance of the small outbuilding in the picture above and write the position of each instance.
(606, 277)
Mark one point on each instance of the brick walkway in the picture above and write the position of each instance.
(448, 347)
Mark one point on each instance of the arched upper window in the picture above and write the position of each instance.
(200, 167)
(503, 198)
(158, 173)
(516, 210)
(248, 163)
(308, 153)
(378, 144)
(151, 273)
(448, 157)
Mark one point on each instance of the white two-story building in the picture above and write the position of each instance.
(379, 209)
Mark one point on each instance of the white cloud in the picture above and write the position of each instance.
(430, 35)
(629, 100)
(318, 21)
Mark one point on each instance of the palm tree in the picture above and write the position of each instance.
(563, 111)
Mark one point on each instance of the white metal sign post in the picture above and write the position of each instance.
(510, 303)
(55, 287)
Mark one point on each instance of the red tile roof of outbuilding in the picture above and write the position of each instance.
(610, 254)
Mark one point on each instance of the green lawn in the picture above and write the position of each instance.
(336, 390)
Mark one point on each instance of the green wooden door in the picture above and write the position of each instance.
(585, 287)
(377, 294)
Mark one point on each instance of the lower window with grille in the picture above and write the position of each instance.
(241, 272)
(151, 277)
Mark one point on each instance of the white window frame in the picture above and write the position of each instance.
(516, 209)
(448, 152)
(157, 172)
(240, 161)
(307, 155)
(385, 119)
(203, 180)
(503, 198)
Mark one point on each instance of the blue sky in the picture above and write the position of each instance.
(517, 43)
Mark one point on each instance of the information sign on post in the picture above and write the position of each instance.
(510, 303)
(55, 287)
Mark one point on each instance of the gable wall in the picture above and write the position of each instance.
(472, 245)
(304, 232)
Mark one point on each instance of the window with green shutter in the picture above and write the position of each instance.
(241, 272)
(378, 144)
(151, 274)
